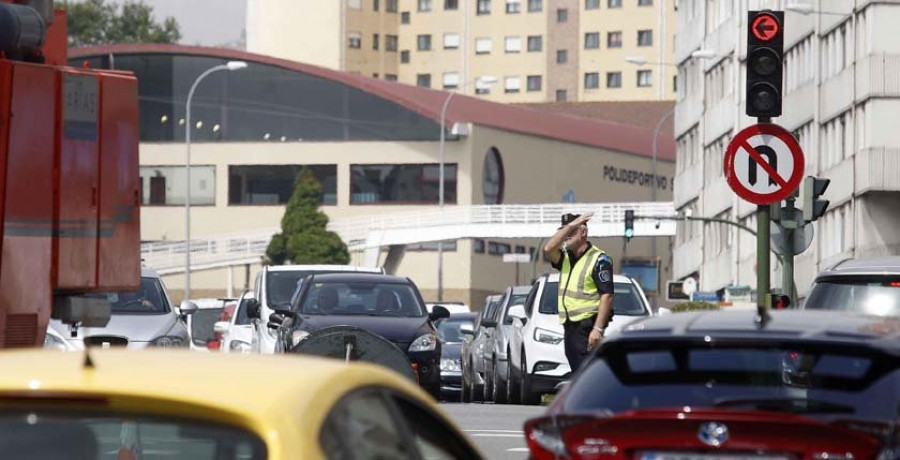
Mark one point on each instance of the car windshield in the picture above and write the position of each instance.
(280, 286)
(449, 329)
(626, 301)
(362, 298)
(148, 300)
(799, 378)
(515, 299)
(203, 323)
(490, 308)
(871, 295)
(90, 436)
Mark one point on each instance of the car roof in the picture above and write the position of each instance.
(554, 278)
(466, 315)
(790, 325)
(147, 272)
(336, 268)
(519, 290)
(494, 297)
(289, 385)
(360, 277)
(871, 266)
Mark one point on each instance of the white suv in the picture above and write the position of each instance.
(537, 357)
(275, 289)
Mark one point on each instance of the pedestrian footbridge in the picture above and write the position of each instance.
(369, 234)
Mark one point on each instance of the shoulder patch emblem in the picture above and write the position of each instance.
(605, 276)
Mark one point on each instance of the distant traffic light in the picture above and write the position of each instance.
(629, 224)
(778, 301)
(765, 56)
(813, 188)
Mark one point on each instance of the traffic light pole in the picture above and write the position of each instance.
(763, 261)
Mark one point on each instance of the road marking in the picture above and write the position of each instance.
(518, 449)
(495, 435)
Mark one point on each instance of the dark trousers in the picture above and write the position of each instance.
(576, 340)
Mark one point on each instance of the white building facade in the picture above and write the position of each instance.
(841, 99)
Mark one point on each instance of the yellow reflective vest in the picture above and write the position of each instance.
(578, 297)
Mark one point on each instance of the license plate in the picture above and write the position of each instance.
(704, 456)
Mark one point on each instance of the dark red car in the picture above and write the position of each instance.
(723, 386)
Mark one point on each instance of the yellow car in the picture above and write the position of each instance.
(163, 404)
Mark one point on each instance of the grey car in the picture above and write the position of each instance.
(495, 349)
(472, 351)
(870, 286)
(146, 318)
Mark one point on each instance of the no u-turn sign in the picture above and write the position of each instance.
(764, 164)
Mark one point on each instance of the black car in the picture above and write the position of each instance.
(452, 335)
(800, 384)
(388, 306)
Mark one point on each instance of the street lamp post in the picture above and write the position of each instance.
(230, 66)
(486, 81)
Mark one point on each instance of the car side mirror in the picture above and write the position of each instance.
(221, 327)
(467, 329)
(438, 312)
(518, 312)
(276, 319)
(253, 308)
(662, 311)
(188, 308)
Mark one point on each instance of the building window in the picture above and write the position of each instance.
(484, 7)
(482, 46)
(675, 84)
(375, 5)
(375, 41)
(274, 184)
(513, 84)
(424, 6)
(404, 17)
(592, 40)
(375, 75)
(164, 185)
(591, 4)
(645, 38)
(562, 15)
(591, 80)
(614, 4)
(354, 4)
(401, 183)
(354, 40)
(534, 82)
(562, 56)
(432, 246)
(561, 95)
(391, 6)
(423, 80)
(450, 5)
(535, 43)
(478, 246)
(535, 6)
(390, 43)
(423, 42)
(498, 249)
(404, 57)
(451, 41)
(645, 2)
(482, 88)
(644, 78)
(613, 79)
(513, 44)
(614, 39)
(390, 77)
(451, 80)
(513, 6)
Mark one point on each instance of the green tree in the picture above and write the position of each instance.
(96, 22)
(304, 238)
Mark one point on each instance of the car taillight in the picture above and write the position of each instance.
(566, 437)
(213, 345)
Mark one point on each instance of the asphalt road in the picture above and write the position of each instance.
(495, 428)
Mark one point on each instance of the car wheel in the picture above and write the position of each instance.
(488, 387)
(464, 395)
(512, 383)
(528, 397)
(499, 394)
(475, 391)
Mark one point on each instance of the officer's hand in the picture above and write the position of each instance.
(585, 217)
(594, 338)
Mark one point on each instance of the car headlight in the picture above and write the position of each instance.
(298, 336)
(426, 342)
(55, 342)
(451, 365)
(545, 336)
(168, 341)
(240, 347)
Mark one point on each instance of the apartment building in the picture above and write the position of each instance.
(537, 50)
(841, 100)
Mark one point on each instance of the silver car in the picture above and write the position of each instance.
(146, 318)
(495, 350)
(870, 286)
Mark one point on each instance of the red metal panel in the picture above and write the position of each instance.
(25, 281)
(78, 164)
(119, 245)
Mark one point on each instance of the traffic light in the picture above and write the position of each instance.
(778, 301)
(813, 207)
(765, 56)
(629, 224)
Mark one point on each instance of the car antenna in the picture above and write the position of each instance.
(88, 361)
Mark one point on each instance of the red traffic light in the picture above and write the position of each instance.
(765, 27)
(778, 301)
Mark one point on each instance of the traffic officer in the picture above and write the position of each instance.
(585, 286)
